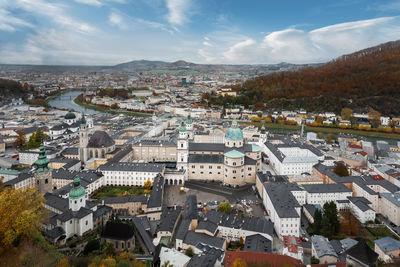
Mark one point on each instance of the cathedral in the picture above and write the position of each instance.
(233, 162)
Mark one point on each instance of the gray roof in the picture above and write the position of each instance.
(208, 226)
(206, 158)
(207, 258)
(183, 228)
(143, 234)
(58, 203)
(257, 243)
(218, 147)
(69, 214)
(361, 202)
(21, 177)
(326, 188)
(132, 167)
(100, 211)
(348, 243)
(168, 219)
(283, 200)
(190, 210)
(239, 222)
(387, 244)
(157, 192)
(100, 139)
(55, 232)
(268, 177)
(71, 151)
(193, 238)
(322, 246)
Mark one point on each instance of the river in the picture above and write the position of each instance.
(66, 101)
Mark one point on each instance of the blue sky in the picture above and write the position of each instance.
(107, 32)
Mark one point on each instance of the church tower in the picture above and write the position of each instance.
(263, 136)
(77, 195)
(43, 178)
(183, 149)
(83, 140)
(189, 127)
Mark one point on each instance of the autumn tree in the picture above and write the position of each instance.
(21, 214)
(21, 139)
(241, 242)
(225, 207)
(346, 113)
(239, 262)
(374, 118)
(259, 106)
(320, 135)
(330, 138)
(349, 224)
(167, 264)
(341, 170)
(255, 119)
(62, 262)
(115, 106)
(147, 185)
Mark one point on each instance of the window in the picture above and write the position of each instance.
(218, 167)
(201, 167)
(234, 171)
(75, 202)
(116, 244)
(70, 222)
(86, 222)
(181, 145)
(193, 166)
(210, 173)
(46, 181)
(210, 167)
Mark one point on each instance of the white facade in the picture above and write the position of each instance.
(323, 197)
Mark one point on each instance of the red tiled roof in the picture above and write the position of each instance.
(251, 257)
(337, 264)
(355, 146)
(292, 243)
(377, 177)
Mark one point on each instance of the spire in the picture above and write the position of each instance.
(77, 191)
(42, 162)
(83, 120)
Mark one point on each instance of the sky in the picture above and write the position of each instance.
(108, 32)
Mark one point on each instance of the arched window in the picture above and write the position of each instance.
(96, 153)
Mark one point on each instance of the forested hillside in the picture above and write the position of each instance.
(369, 78)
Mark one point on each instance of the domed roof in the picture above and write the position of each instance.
(234, 154)
(70, 115)
(100, 139)
(77, 191)
(234, 133)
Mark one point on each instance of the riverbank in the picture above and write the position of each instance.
(111, 111)
(52, 97)
(284, 127)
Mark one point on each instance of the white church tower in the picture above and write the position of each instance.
(77, 196)
(183, 149)
(83, 140)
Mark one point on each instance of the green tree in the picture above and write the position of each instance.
(330, 224)
(341, 170)
(225, 207)
(189, 252)
(92, 245)
(317, 221)
(108, 249)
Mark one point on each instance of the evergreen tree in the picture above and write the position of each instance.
(317, 221)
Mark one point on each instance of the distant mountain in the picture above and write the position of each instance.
(184, 67)
(366, 79)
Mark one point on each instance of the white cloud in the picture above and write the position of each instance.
(207, 43)
(55, 12)
(116, 20)
(90, 2)
(9, 22)
(178, 11)
(299, 46)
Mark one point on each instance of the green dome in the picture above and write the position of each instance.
(182, 128)
(234, 154)
(77, 191)
(234, 133)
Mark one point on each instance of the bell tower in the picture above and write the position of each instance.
(43, 178)
(183, 148)
(83, 140)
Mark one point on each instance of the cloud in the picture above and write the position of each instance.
(9, 22)
(116, 20)
(55, 12)
(207, 43)
(90, 2)
(299, 46)
(178, 11)
(389, 7)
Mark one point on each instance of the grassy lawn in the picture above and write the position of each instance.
(284, 127)
(108, 110)
(115, 191)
